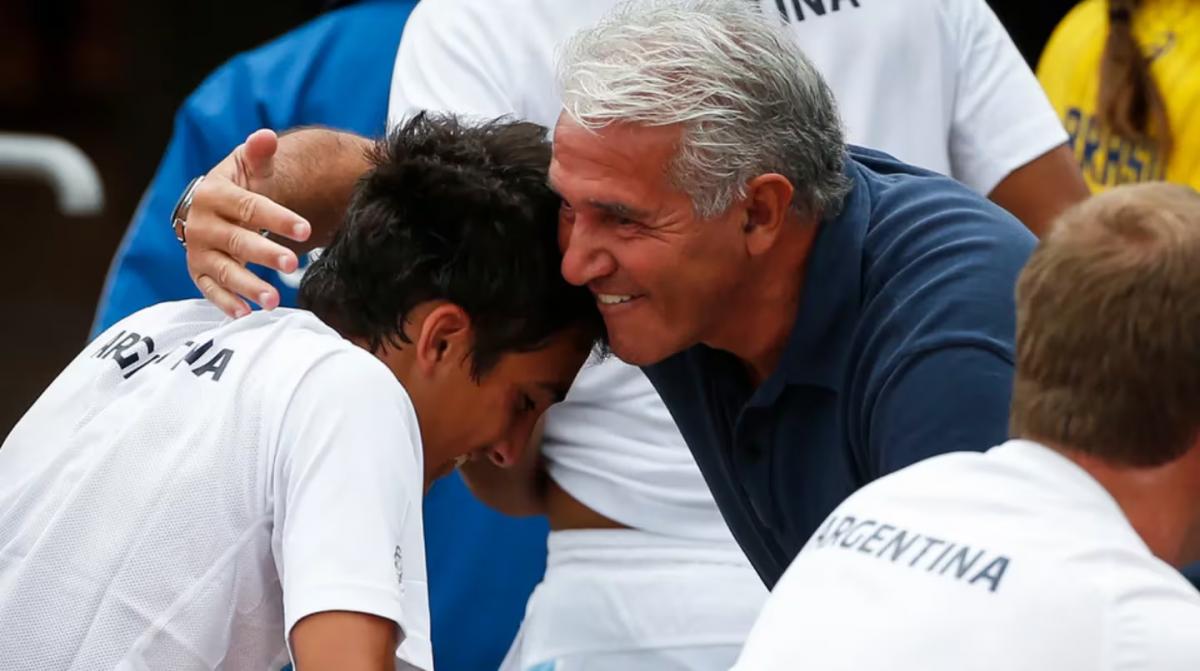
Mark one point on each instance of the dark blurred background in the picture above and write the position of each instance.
(107, 76)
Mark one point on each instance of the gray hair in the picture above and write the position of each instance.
(749, 101)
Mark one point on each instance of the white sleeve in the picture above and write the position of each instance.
(450, 60)
(347, 495)
(1002, 118)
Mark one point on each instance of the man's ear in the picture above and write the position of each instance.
(768, 199)
(444, 338)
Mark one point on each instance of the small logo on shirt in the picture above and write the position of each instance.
(398, 563)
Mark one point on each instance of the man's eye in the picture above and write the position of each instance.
(525, 404)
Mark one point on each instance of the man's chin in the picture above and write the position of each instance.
(637, 351)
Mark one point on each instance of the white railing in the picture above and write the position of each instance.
(73, 176)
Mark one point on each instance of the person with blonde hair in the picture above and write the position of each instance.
(1057, 549)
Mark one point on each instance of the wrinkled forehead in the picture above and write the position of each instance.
(617, 162)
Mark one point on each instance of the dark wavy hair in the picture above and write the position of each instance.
(456, 212)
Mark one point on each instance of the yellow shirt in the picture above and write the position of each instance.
(1169, 34)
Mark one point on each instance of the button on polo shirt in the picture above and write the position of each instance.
(901, 348)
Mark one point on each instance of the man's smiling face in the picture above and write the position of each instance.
(662, 276)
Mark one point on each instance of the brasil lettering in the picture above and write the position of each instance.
(134, 352)
(913, 550)
(1107, 159)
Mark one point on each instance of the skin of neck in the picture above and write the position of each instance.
(1162, 503)
(756, 329)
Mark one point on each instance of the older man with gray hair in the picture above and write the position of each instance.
(814, 316)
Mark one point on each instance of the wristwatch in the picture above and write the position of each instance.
(180, 213)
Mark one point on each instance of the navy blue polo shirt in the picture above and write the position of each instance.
(902, 348)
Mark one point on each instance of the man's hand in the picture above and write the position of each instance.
(229, 210)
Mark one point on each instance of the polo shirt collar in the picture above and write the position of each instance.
(819, 344)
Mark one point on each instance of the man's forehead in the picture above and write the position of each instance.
(617, 143)
(622, 187)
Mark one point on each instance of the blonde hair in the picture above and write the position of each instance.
(1108, 328)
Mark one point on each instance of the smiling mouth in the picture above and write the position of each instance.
(614, 299)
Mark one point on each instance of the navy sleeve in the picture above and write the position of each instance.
(929, 406)
(935, 350)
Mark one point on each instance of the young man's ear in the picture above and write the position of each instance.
(768, 199)
(444, 337)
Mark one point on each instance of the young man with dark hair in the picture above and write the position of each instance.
(1054, 550)
(196, 493)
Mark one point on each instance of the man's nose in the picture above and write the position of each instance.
(585, 255)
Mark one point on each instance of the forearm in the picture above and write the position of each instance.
(344, 641)
(1039, 191)
(315, 173)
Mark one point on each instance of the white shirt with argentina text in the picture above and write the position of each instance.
(190, 487)
(1012, 559)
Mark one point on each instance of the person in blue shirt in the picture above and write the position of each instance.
(334, 71)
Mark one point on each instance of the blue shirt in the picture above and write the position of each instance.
(901, 348)
(334, 71)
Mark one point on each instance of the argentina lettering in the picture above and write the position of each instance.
(813, 7)
(899, 546)
(133, 352)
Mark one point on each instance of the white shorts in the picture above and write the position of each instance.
(630, 600)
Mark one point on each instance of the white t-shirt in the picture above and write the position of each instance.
(613, 446)
(1011, 559)
(190, 487)
(936, 82)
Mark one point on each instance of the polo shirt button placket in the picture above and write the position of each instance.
(750, 455)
